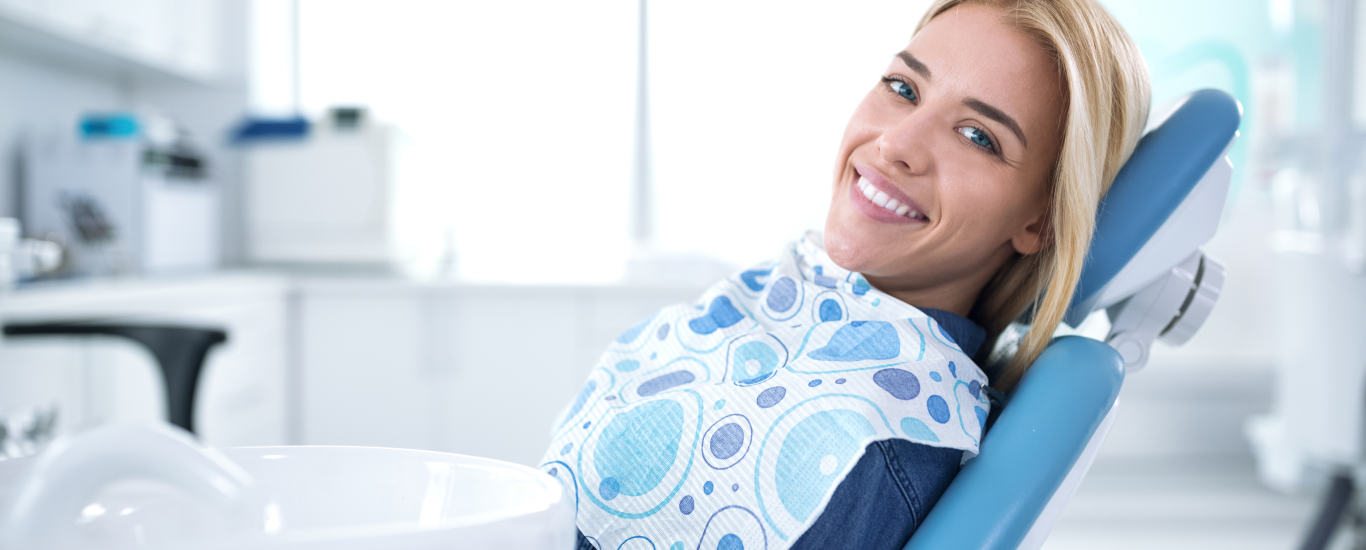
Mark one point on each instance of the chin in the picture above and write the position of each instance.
(846, 249)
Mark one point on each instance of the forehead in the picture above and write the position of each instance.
(971, 51)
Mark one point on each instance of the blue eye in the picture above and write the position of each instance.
(902, 89)
(978, 137)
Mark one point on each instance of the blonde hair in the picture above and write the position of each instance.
(1106, 85)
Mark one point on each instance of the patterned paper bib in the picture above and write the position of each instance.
(727, 424)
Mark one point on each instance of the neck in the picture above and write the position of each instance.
(956, 295)
(953, 302)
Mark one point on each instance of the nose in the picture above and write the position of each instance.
(907, 143)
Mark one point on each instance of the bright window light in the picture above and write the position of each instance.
(517, 120)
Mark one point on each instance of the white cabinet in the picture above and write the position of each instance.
(468, 368)
(471, 369)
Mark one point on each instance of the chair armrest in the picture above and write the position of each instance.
(1045, 426)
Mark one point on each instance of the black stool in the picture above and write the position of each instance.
(179, 352)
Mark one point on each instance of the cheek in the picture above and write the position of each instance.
(988, 208)
(863, 130)
(849, 238)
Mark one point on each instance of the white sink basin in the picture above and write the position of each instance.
(151, 488)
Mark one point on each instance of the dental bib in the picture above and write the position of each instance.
(728, 423)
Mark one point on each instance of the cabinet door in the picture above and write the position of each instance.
(176, 37)
(362, 372)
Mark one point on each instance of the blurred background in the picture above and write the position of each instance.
(366, 201)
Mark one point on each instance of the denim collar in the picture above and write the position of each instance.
(967, 334)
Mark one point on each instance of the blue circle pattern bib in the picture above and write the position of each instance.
(726, 424)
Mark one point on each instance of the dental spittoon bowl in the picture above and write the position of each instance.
(154, 487)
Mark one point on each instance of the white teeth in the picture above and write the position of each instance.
(880, 199)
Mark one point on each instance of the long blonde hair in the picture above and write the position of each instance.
(1107, 90)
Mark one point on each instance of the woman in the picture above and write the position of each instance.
(827, 398)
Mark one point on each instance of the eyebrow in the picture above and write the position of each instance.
(914, 64)
(996, 115)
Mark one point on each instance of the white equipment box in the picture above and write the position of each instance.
(118, 209)
(324, 199)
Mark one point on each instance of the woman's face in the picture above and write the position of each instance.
(962, 133)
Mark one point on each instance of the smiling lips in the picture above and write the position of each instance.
(880, 198)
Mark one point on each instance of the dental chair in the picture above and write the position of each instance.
(1147, 272)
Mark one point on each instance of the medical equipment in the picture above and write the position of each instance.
(1314, 431)
(83, 492)
(322, 196)
(123, 198)
(22, 259)
(1147, 271)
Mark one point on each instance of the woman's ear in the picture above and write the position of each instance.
(1034, 236)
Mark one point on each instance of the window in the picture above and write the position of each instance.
(518, 118)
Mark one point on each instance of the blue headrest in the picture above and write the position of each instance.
(1163, 169)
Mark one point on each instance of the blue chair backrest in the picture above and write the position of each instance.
(1164, 168)
(1066, 394)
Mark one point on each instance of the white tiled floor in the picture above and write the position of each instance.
(1209, 503)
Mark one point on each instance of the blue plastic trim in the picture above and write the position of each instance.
(1165, 166)
(109, 126)
(269, 129)
(1051, 416)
